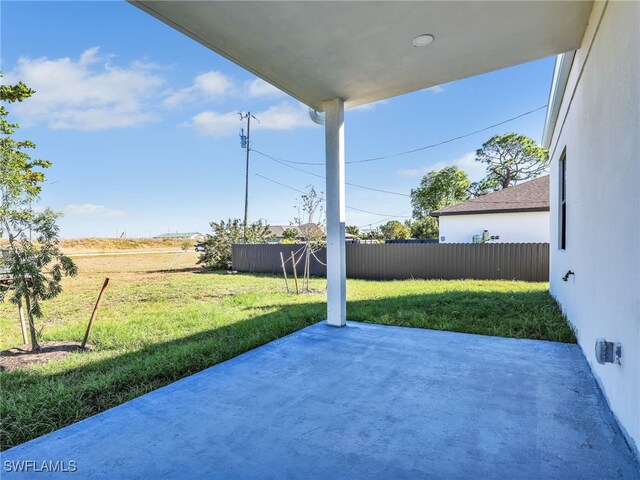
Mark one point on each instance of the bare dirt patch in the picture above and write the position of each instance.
(18, 357)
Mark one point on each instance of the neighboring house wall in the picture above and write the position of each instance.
(521, 227)
(599, 125)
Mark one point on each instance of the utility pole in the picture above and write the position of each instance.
(245, 143)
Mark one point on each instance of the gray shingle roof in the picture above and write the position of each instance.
(531, 196)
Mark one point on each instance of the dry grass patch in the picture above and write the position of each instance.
(98, 245)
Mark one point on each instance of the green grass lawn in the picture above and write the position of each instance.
(156, 327)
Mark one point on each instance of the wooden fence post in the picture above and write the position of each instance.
(284, 271)
(295, 273)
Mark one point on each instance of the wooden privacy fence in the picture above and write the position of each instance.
(488, 261)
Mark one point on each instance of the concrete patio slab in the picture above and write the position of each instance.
(365, 401)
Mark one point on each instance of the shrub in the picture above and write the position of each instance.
(217, 246)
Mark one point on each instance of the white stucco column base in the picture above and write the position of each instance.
(335, 191)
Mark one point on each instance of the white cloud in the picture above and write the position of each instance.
(215, 124)
(217, 86)
(260, 88)
(436, 89)
(206, 86)
(475, 170)
(88, 93)
(213, 84)
(92, 210)
(283, 116)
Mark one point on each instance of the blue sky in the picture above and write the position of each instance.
(141, 125)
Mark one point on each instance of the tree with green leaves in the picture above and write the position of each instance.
(426, 227)
(217, 246)
(484, 186)
(510, 159)
(439, 189)
(258, 232)
(375, 234)
(352, 230)
(395, 230)
(289, 236)
(35, 263)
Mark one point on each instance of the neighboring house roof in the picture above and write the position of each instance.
(179, 235)
(531, 196)
(278, 230)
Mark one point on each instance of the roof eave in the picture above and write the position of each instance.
(481, 212)
(556, 93)
(144, 6)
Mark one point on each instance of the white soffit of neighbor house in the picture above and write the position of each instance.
(363, 51)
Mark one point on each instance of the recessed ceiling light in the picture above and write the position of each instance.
(423, 40)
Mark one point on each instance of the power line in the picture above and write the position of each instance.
(347, 206)
(385, 219)
(281, 184)
(407, 152)
(381, 214)
(459, 137)
(281, 162)
(287, 161)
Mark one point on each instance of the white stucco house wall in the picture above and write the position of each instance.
(592, 132)
(517, 214)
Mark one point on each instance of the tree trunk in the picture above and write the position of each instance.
(35, 346)
(506, 181)
(23, 325)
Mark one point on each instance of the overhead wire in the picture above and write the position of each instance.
(400, 215)
(323, 177)
(453, 139)
(291, 163)
(347, 206)
(414, 150)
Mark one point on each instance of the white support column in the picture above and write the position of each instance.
(336, 263)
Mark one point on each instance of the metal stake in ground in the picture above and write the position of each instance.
(94, 313)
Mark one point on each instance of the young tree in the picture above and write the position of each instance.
(510, 159)
(310, 223)
(439, 189)
(35, 268)
(217, 246)
(394, 230)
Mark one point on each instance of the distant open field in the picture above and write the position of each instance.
(164, 318)
(102, 245)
